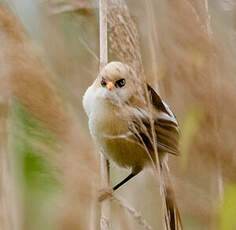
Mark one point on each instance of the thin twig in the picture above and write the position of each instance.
(108, 194)
(85, 44)
(134, 213)
(208, 20)
(105, 205)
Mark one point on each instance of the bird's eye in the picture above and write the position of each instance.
(120, 83)
(103, 83)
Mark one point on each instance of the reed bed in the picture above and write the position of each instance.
(50, 55)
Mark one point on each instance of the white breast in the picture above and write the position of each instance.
(88, 100)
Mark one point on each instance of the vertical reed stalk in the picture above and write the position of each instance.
(105, 177)
(216, 79)
(153, 42)
(208, 21)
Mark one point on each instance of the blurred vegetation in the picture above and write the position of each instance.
(49, 56)
(33, 171)
(229, 208)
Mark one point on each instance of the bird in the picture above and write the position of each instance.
(130, 124)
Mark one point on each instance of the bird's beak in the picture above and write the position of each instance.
(110, 85)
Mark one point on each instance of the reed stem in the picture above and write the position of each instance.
(105, 177)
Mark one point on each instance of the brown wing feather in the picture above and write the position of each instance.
(167, 131)
(156, 100)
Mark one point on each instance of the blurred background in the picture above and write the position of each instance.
(49, 55)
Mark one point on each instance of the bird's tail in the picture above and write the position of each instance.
(172, 216)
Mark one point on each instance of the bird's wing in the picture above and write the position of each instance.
(164, 122)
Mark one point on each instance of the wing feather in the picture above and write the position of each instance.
(165, 125)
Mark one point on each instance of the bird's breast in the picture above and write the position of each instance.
(109, 129)
(106, 120)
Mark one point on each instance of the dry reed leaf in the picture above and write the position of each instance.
(29, 81)
(27, 77)
(82, 6)
(198, 66)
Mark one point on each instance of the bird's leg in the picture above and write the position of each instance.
(131, 175)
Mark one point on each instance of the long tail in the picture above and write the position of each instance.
(172, 214)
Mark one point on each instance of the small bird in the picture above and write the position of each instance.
(127, 119)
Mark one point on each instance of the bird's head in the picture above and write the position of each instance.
(117, 82)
